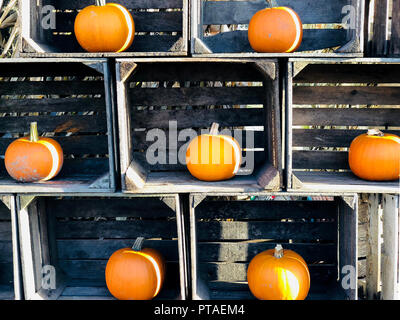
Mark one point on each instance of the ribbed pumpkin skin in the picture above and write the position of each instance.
(213, 157)
(28, 161)
(271, 278)
(275, 30)
(108, 28)
(131, 275)
(375, 158)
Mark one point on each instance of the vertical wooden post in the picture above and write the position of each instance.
(374, 243)
(390, 250)
(18, 285)
(380, 28)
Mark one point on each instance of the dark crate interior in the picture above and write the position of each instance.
(220, 27)
(333, 104)
(160, 27)
(88, 230)
(68, 101)
(231, 231)
(171, 103)
(6, 255)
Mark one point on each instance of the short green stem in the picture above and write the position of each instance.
(34, 135)
(138, 245)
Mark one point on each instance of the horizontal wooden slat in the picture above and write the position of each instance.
(353, 95)
(144, 21)
(265, 209)
(238, 230)
(313, 39)
(51, 87)
(137, 4)
(46, 69)
(52, 105)
(103, 249)
(238, 271)
(240, 12)
(245, 251)
(197, 118)
(173, 71)
(141, 43)
(116, 229)
(63, 123)
(328, 138)
(200, 96)
(346, 116)
(135, 207)
(348, 73)
(320, 160)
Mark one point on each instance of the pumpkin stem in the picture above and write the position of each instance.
(137, 246)
(214, 129)
(375, 132)
(278, 251)
(100, 3)
(34, 135)
(271, 3)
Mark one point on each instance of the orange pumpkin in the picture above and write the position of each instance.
(34, 158)
(135, 273)
(375, 156)
(278, 274)
(104, 27)
(275, 30)
(213, 157)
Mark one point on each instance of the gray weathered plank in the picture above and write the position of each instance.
(395, 37)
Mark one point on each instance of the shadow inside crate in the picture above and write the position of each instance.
(6, 255)
(88, 231)
(231, 233)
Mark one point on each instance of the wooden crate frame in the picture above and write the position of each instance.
(47, 234)
(225, 234)
(37, 41)
(383, 267)
(383, 38)
(235, 43)
(10, 263)
(330, 171)
(71, 99)
(176, 179)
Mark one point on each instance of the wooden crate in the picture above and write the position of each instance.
(227, 232)
(328, 104)
(210, 35)
(169, 96)
(161, 28)
(77, 236)
(10, 267)
(71, 101)
(383, 29)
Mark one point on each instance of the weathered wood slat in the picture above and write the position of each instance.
(170, 21)
(201, 96)
(137, 4)
(320, 160)
(6, 274)
(240, 12)
(5, 230)
(52, 105)
(137, 207)
(265, 209)
(239, 230)
(327, 137)
(349, 73)
(353, 95)
(62, 123)
(380, 28)
(197, 118)
(313, 39)
(245, 251)
(116, 229)
(51, 87)
(103, 249)
(395, 37)
(5, 251)
(196, 71)
(346, 116)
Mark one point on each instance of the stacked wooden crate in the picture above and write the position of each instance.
(295, 115)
